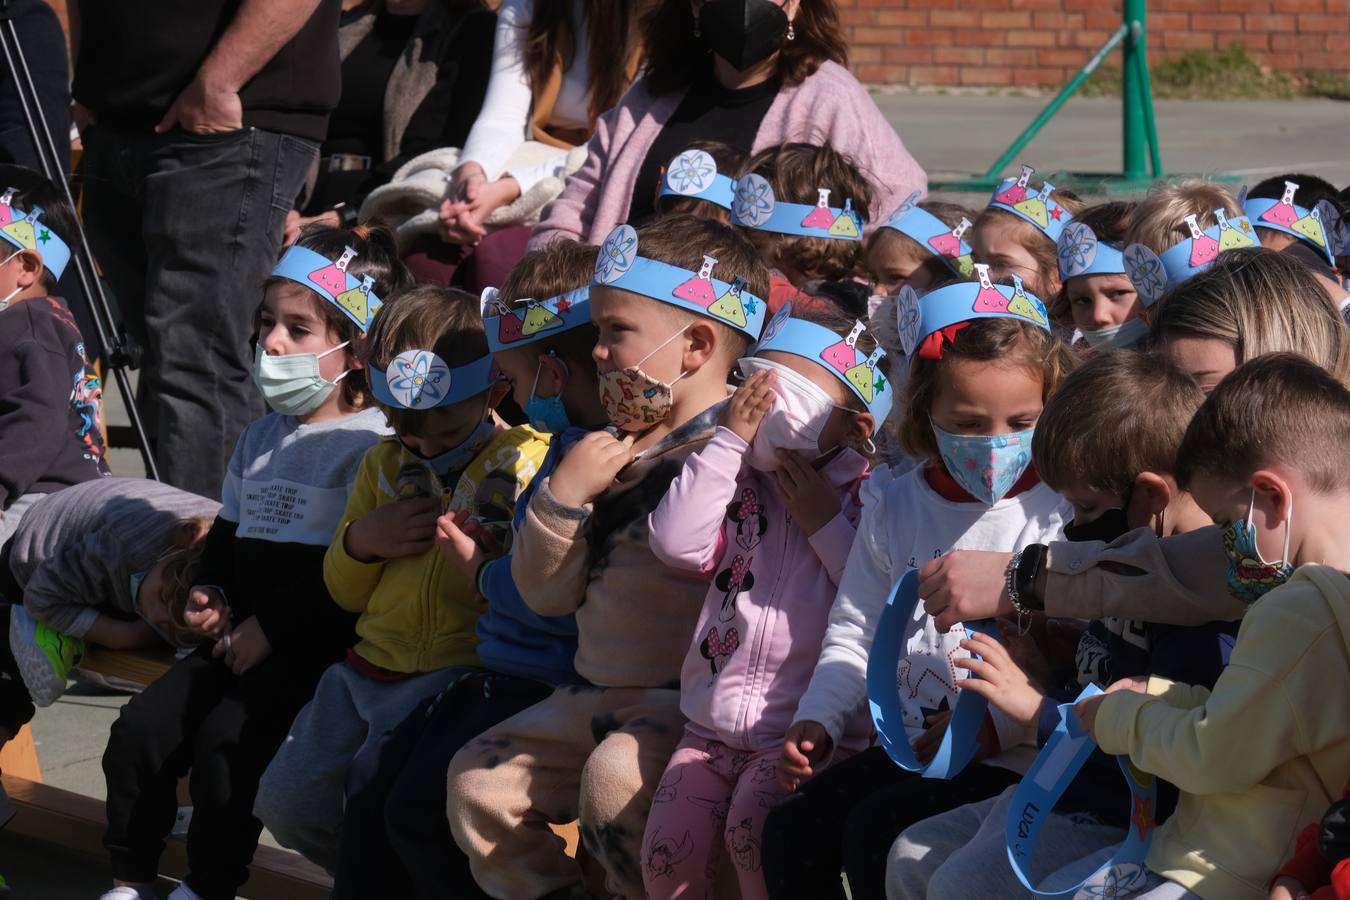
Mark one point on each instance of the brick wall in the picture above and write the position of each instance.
(1002, 43)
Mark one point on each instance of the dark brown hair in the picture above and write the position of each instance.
(730, 162)
(1109, 222)
(612, 31)
(561, 266)
(939, 272)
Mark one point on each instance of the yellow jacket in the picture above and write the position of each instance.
(1265, 752)
(417, 612)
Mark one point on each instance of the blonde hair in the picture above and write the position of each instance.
(1159, 221)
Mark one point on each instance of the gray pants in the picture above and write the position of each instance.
(301, 796)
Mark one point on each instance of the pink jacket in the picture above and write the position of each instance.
(764, 618)
(829, 106)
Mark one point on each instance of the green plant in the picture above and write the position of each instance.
(1224, 74)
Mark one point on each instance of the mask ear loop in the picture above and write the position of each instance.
(345, 372)
(1288, 529)
(540, 367)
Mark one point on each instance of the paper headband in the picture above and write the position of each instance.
(838, 354)
(964, 302)
(933, 234)
(23, 230)
(756, 207)
(515, 326)
(1080, 253)
(620, 266)
(1153, 275)
(1320, 226)
(694, 174)
(331, 281)
(1038, 208)
(419, 379)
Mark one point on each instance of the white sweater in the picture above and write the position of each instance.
(502, 123)
(905, 523)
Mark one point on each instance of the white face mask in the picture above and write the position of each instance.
(292, 384)
(4, 304)
(1117, 337)
(794, 422)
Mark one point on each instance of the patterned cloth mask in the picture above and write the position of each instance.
(634, 400)
(794, 422)
(986, 465)
(1250, 577)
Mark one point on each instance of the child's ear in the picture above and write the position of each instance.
(30, 268)
(1150, 498)
(861, 427)
(552, 375)
(354, 351)
(701, 340)
(497, 393)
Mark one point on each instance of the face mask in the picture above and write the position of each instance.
(1106, 527)
(546, 413)
(742, 32)
(1250, 577)
(794, 422)
(291, 384)
(458, 457)
(634, 400)
(1117, 337)
(987, 466)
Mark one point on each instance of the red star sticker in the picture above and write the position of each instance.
(1057, 213)
(1142, 817)
(564, 304)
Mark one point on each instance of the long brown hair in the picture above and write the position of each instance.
(675, 57)
(550, 40)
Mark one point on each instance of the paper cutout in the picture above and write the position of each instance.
(864, 374)
(1204, 249)
(846, 225)
(949, 244)
(909, 203)
(1034, 208)
(509, 328)
(356, 301)
(1283, 213)
(990, 299)
(698, 289)
(820, 217)
(418, 379)
(6, 210)
(843, 355)
(539, 318)
(1021, 304)
(1146, 273)
(692, 172)
(616, 254)
(729, 306)
(1017, 192)
(1230, 238)
(332, 278)
(1310, 226)
(754, 201)
(907, 318)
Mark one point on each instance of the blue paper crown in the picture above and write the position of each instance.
(964, 302)
(933, 234)
(23, 230)
(756, 207)
(331, 281)
(1320, 226)
(532, 320)
(838, 355)
(1080, 253)
(694, 174)
(1154, 275)
(419, 379)
(1036, 207)
(620, 266)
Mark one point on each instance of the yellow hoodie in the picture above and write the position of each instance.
(1266, 751)
(417, 612)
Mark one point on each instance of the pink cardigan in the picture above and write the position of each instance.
(829, 106)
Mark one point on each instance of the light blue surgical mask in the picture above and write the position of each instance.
(986, 465)
(136, 579)
(547, 413)
(292, 384)
(1117, 337)
(458, 457)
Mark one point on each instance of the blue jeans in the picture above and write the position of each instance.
(186, 228)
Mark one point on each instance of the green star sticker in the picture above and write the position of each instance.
(880, 384)
(44, 236)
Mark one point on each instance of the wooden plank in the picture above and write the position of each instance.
(139, 667)
(19, 756)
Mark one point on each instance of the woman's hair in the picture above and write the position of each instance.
(796, 172)
(730, 162)
(1159, 221)
(612, 30)
(676, 56)
(1006, 342)
(1260, 302)
(377, 256)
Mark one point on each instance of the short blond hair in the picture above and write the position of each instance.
(1159, 221)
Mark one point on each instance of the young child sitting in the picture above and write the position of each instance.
(1099, 296)
(701, 181)
(395, 837)
(1106, 442)
(921, 245)
(51, 398)
(976, 385)
(223, 711)
(434, 379)
(1261, 753)
(670, 331)
(769, 505)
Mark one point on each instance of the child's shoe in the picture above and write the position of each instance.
(44, 655)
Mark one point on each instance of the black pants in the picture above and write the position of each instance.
(225, 728)
(396, 839)
(865, 802)
(16, 703)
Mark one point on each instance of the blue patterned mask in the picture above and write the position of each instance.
(1250, 577)
(986, 465)
(546, 413)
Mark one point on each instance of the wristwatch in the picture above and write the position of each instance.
(1025, 574)
(346, 215)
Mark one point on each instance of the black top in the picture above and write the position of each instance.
(137, 55)
(357, 125)
(709, 112)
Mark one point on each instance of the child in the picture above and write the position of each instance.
(770, 506)
(395, 837)
(51, 397)
(223, 711)
(1282, 210)
(434, 379)
(1260, 754)
(921, 245)
(1018, 234)
(1159, 221)
(1097, 293)
(670, 331)
(701, 181)
(106, 562)
(1106, 442)
(975, 388)
(1319, 862)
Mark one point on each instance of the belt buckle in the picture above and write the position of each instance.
(348, 162)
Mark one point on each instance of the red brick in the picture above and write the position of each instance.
(1182, 41)
(1036, 4)
(1001, 56)
(983, 76)
(984, 4)
(859, 55)
(876, 35)
(1082, 5)
(1339, 43)
(1168, 21)
(954, 18)
(1074, 58)
(1269, 23)
(958, 56)
(873, 74)
(905, 18)
(1085, 40)
(1192, 5)
(1030, 39)
(1327, 24)
(1298, 6)
(1244, 6)
(850, 16)
(1106, 20)
(1039, 77)
(907, 56)
(1302, 42)
(1252, 40)
(933, 75)
(1049, 20)
(1005, 20)
(1216, 22)
(930, 37)
(979, 37)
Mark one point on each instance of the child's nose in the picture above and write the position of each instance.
(1101, 315)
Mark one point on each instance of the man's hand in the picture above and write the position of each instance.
(804, 746)
(812, 501)
(206, 613)
(749, 405)
(965, 585)
(243, 648)
(589, 468)
(204, 108)
(999, 679)
(295, 223)
(402, 528)
(465, 544)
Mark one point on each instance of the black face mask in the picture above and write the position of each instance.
(743, 32)
(1106, 527)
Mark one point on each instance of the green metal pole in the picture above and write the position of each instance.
(1134, 76)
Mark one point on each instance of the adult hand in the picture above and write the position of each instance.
(810, 498)
(465, 544)
(206, 613)
(469, 201)
(402, 528)
(295, 223)
(805, 744)
(1286, 888)
(589, 467)
(1086, 711)
(749, 405)
(245, 647)
(204, 107)
(965, 585)
(82, 116)
(999, 679)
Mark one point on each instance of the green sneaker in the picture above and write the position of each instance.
(44, 656)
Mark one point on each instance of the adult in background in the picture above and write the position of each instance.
(749, 73)
(200, 121)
